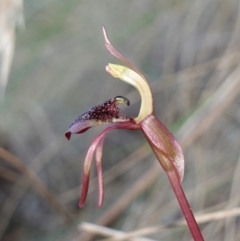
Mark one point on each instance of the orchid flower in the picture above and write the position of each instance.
(161, 140)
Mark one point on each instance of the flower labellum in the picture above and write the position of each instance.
(108, 112)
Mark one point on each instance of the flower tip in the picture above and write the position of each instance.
(81, 205)
(100, 203)
(105, 36)
(68, 135)
(110, 69)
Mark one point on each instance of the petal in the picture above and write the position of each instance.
(164, 145)
(139, 82)
(133, 77)
(107, 112)
(100, 172)
(97, 146)
(116, 54)
(79, 127)
(86, 175)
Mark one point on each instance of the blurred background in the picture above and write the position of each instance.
(53, 69)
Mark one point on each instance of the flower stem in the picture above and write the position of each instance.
(186, 209)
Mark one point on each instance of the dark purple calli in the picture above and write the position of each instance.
(108, 112)
(161, 140)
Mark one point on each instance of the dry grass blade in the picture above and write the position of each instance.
(100, 230)
(11, 14)
(24, 182)
(120, 236)
(231, 223)
(211, 109)
(37, 183)
(8, 175)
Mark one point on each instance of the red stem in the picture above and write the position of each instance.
(186, 209)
